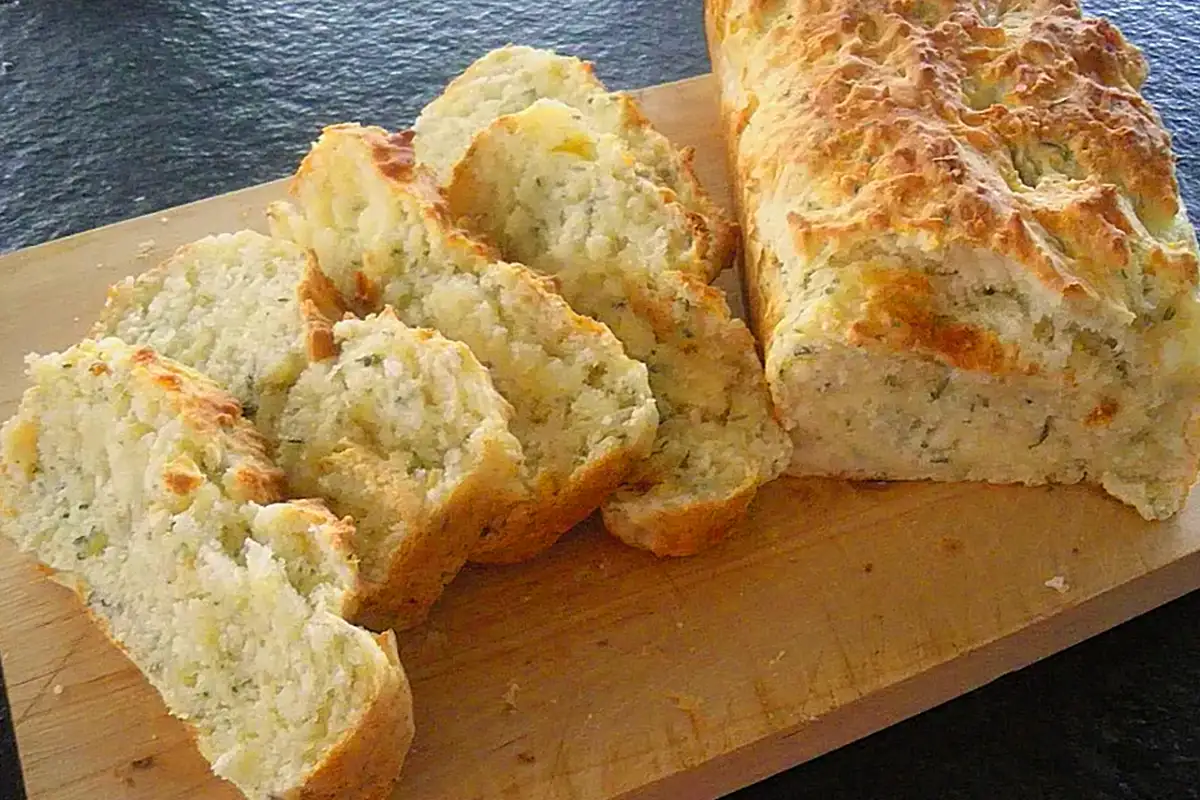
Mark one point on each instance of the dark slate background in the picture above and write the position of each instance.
(112, 109)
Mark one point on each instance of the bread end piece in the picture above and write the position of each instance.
(136, 480)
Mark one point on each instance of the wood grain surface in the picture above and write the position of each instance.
(598, 671)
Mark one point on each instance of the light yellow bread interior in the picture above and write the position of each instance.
(404, 432)
(569, 201)
(243, 308)
(512, 78)
(582, 409)
(139, 483)
(257, 312)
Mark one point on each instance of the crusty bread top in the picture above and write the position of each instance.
(510, 79)
(891, 133)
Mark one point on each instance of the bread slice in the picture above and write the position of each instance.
(139, 482)
(967, 254)
(247, 310)
(420, 480)
(549, 191)
(583, 411)
(403, 431)
(511, 78)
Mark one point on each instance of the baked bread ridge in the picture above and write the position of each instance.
(965, 251)
(509, 79)
(404, 432)
(583, 410)
(138, 482)
(524, 185)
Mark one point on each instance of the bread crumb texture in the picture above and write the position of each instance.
(510, 79)
(137, 480)
(966, 254)
(554, 193)
(399, 428)
(404, 432)
(235, 307)
(582, 409)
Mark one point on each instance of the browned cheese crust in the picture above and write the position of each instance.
(937, 119)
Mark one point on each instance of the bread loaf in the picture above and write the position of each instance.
(583, 411)
(553, 193)
(966, 253)
(403, 431)
(137, 480)
(512, 78)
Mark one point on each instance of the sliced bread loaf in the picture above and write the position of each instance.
(419, 473)
(404, 431)
(139, 482)
(512, 78)
(549, 191)
(583, 411)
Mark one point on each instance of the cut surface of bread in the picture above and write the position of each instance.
(510, 79)
(362, 431)
(966, 254)
(551, 194)
(242, 308)
(138, 482)
(404, 432)
(582, 409)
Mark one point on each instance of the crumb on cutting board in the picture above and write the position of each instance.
(510, 697)
(1058, 583)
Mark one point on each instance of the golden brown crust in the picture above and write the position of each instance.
(366, 763)
(429, 553)
(207, 408)
(530, 528)
(900, 312)
(684, 530)
(321, 305)
(1011, 127)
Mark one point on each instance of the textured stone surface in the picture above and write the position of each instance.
(109, 110)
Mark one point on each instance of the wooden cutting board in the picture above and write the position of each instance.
(599, 671)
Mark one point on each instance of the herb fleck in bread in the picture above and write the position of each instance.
(406, 431)
(583, 411)
(420, 480)
(512, 78)
(138, 481)
(966, 253)
(549, 191)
